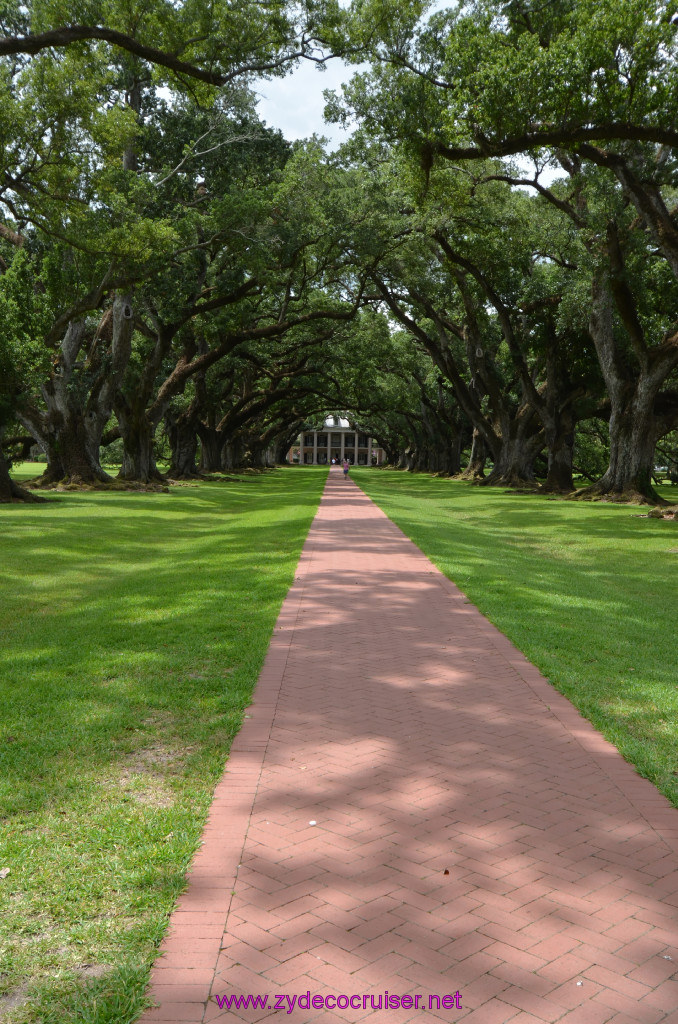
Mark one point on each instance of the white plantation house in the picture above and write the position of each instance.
(338, 440)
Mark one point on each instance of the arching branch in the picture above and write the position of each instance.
(59, 37)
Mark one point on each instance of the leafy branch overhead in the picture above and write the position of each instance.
(485, 274)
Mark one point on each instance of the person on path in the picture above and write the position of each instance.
(345, 468)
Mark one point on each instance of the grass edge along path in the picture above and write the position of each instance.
(134, 628)
(587, 592)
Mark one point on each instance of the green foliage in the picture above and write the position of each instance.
(592, 449)
(24, 313)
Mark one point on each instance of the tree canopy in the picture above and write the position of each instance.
(485, 274)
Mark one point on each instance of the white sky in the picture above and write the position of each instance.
(294, 104)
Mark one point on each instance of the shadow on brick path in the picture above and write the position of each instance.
(412, 808)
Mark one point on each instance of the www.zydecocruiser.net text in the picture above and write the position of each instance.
(379, 1001)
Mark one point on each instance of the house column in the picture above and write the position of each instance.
(343, 438)
(369, 451)
(315, 447)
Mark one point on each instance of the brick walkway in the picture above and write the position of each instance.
(411, 808)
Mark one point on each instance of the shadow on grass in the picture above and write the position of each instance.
(134, 627)
(109, 608)
(585, 591)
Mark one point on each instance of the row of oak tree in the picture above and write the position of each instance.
(488, 266)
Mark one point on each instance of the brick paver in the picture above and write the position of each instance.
(411, 807)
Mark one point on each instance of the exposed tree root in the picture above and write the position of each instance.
(10, 491)
(563, 492)
(518, 483)
(14, 494)
(628, 496)
(77, 484)
(666, 512)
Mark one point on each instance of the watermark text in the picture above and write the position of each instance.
(379, 1001)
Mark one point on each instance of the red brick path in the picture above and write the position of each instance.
(412, 808)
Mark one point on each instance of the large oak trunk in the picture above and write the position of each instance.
(445, 461)
(514, 462)
(232, 455)
(633, 438)
(184, 452)
(475, 470)
(281, 450)
(560, 440)
(138, 460)
(78, 396)
(36, 423)
(183, 438)
(10, 491)
(54, 470)
(77, 446)
(634, 428)
(74, 421)
(210, 449)
(262, 456)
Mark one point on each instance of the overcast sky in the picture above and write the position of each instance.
(294, 104)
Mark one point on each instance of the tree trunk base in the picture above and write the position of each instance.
(143, 479)
(510, 479)
(12, 494)
(52, 474)
(557, 488)
(152, 487)
(629, 495)
(10, 491)
(75, 481)
(470, 473)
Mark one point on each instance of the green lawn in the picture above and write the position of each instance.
(588, 592)
(133, 629)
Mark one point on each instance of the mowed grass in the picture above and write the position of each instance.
(133, 630)
(588, 592)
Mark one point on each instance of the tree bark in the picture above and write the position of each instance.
(232, 455)
(560, 443)
(633, 439)
(182, 432)
(634, 428)
(74, 429)
(475, 470)
(513, 468)
(10, 491)
(521, 441)
(210, 449)
(281, 450)
(138, 459)
(262, 456)
(184, 443)
(37, 425)
(79, 399)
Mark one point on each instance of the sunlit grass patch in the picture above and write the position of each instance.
(587, 591)
(134, 627)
